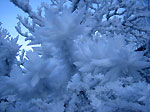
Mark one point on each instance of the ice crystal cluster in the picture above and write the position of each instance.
(87, 56)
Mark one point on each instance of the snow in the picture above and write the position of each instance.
(80, 61)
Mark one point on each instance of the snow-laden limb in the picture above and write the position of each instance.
(8, 51)
(24, 5)
(125, 17)
(41, 79)
(60, 30)
(122, 95)
(111, 56)
(36, 105)
(36, 18)
(122, 17)
(25, 22)
(61, 26)
(49, 69)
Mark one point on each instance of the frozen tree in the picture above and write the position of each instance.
(8, 49)
(91, 56)
(8, 52)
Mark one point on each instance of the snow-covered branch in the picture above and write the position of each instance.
(24, 5)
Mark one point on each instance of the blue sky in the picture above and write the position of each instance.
(8, 14)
